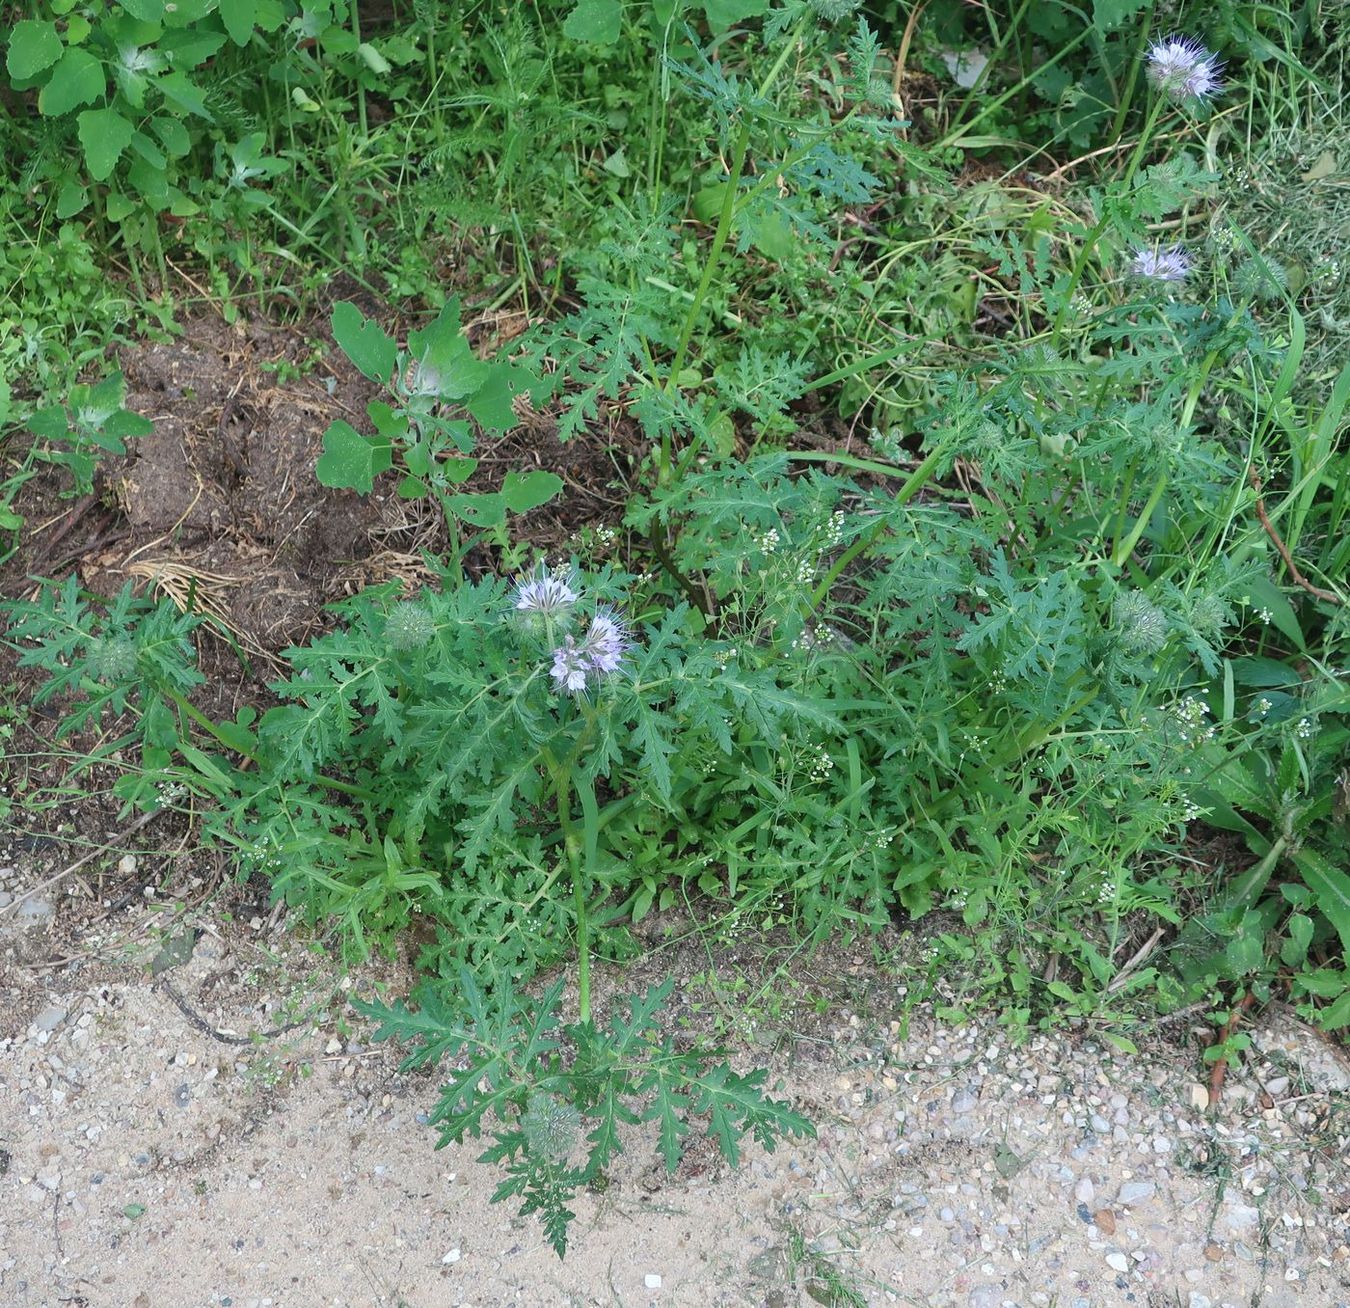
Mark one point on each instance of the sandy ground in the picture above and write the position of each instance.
(146, 1161)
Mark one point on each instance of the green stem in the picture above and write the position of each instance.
(739, 151)
(360, 89)
(914, 483)
(192, 711)
(956, 133)
(562, 786)
(1094, 235)
(1124, 548)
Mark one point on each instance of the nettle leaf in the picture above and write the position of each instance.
(33, 46)
(351, 461)
(77, 79)
(104, 134)
(364, 342)
(596, 21)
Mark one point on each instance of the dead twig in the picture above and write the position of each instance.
(1220, 1067)
(1138, 957)
(1299, 579)
(115, 843)
(225, 1037)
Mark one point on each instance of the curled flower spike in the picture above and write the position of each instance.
(545, 594)
(1170, 264)
(605, 644)
(1182, 69)
(569, 667)
(600, 653)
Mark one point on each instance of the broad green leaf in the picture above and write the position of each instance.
(104, 134)
(190, 47)
(1267, 596)
(1337, 1016)
(71, 198)
(723, 14)
(148, 11)
(483, 510)
(525, 491)
(491, 404)
(149, 151)
(443, 357)
(1295, 949)
(33, 46)
(351, 461)
(172, 134)
(238, 17)
(1245, 951)
(77, 79)
(389, 422)
(187, 95)
(118, 207)
(151, 182)
(1109, 14)
(596, 21)
(1331, 886)
(364, 342)
(124, 425)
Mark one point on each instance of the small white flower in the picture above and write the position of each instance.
(1182, 69)
(1169, 264)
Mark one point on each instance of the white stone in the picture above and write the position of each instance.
(1118, 1262)
(652, 1281)
(453, 1256)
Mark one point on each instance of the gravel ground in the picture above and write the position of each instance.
(148, 1161)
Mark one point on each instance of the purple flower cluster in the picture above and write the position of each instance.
(1169, 264)
(1182, 69)
(578, 665)
(547, 599)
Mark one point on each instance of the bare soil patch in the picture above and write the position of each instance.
(218, 1130)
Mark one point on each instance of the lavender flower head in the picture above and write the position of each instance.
(1169, 264)
(1182, 69)
(544, 594)
(569, 667)
(578, 665)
